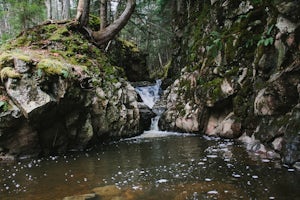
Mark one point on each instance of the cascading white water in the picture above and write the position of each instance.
(154, 121)
(149, 94)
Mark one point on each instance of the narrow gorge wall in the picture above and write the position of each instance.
(241, 75)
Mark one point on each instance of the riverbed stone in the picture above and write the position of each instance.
(82, 197)
(108, 192)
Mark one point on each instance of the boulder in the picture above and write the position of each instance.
(223, 126)
(108, 192)
(53, 102)
(82, 197)
(281, 93)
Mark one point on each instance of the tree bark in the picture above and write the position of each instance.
(113, 29)
(103, 14)
(48, 4)
(83, 11)
(66, 9)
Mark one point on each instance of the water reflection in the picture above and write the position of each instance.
(173, 167)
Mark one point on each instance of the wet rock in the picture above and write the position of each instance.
(6, 158)
(108, 192)
(254, 146)
(297, 166)
(116, 110)
(291, 143)
(86, 132)
(265, 103)
(223, 126)
(291, 151)
(83, 197)
(146, 114)
(277, 144)
(184, 111)
(230, 127)
(281, 94)
(188, 122)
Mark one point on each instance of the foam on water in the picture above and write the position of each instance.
(159, 134)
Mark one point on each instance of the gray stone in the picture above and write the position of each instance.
(285, 25)
(27, 95)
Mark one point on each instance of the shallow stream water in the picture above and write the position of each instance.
(167, 166)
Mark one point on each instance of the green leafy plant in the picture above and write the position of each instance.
(268, 39)
(216, 44)
(265, 41)
(3, 104)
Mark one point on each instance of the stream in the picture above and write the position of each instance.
(154, 165)
(165, 167)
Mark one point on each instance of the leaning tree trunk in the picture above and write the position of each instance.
(113, 29)
(83, 12)
(109, 32)
(103, 14)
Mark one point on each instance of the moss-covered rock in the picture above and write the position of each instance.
(8, 72)
(53, 67)
(240, 57)
(51, 77)
(126, 55)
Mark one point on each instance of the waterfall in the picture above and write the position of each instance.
(154, 121)
(149, 94)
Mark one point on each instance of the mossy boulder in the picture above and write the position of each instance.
(59, 91)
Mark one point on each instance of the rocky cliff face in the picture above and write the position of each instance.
(59, 92)
(242, 76)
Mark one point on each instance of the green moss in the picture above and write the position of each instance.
(62, 49)
(130, 45)
(59, 34)
(243, 102)
(21, 41)
(50, 28)
(6, 60)
(212, 89)
(53, 67)
(9, 72)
